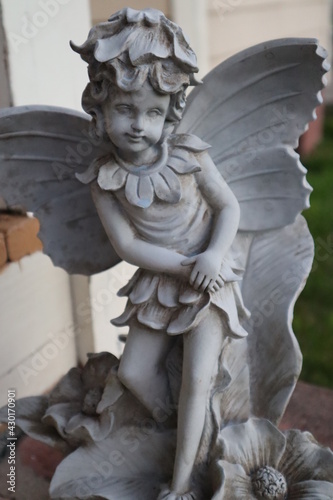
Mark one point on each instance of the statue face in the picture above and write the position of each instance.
(134, 121)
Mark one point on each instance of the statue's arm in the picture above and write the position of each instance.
(224, 204)
(207, 265)
(128, 245)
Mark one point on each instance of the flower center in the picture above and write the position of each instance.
(268, 483)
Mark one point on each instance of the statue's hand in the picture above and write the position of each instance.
(215, 286)
(205, 273)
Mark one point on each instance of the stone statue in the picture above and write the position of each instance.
(221, 249)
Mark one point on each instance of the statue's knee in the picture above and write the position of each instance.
(127, 376)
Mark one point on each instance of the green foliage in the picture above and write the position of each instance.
(313, 323)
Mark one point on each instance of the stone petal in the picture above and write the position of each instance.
(145, 191)
(89, 174)
(188, 141)
(151, 16)
(98, 428)
(111, 177)
(189, 296)
(311, 490)
(133, 15)
(167, 185)
(144, 288)
(132, 463)
(125, 316)
(187, 317)
(173, 183)
(270, 295)
(305, 459)
(167, 292)
(126, 290)
(109, 48)
(132, 191)
(186, 55)
(161, 188)
(254, 444)
(59, 415)
(119, 178)
(29, 418)
(183, 162)
(155, 316)
(234, 483)
(167, 494)
(178, 163)
(147, 45)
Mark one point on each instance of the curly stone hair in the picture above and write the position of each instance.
(133, 47)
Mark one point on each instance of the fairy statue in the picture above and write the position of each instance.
(205, 201)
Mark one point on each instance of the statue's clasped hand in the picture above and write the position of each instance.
(206, 271)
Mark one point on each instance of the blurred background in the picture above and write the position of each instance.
(49, 320)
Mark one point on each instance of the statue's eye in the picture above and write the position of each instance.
(154, 113)
(124, 109)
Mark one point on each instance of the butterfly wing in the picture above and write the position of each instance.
(278, 266)
(252, 108)
(42, 147)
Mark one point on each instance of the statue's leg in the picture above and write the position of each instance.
(142, 367)
(202, 347)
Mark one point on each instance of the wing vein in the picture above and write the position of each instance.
(274, 100)
(258, 173)
(249, 84)
(34, 133)
(34, 158)
(244, 139)
(270, 197)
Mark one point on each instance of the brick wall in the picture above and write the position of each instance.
(18, 237)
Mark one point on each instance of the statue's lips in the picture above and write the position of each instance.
(135, 138)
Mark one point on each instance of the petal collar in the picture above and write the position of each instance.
(142, 184)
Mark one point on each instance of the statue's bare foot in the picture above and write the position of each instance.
(167, 494)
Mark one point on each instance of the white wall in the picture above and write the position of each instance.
(37, 339)
(43, 68)
(237, 24)
(191, 15)
(105, 305)
(38, 330)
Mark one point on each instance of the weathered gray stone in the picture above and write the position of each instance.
(222, 251)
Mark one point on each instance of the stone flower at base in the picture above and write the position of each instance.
(74, 404)
(260, 462)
